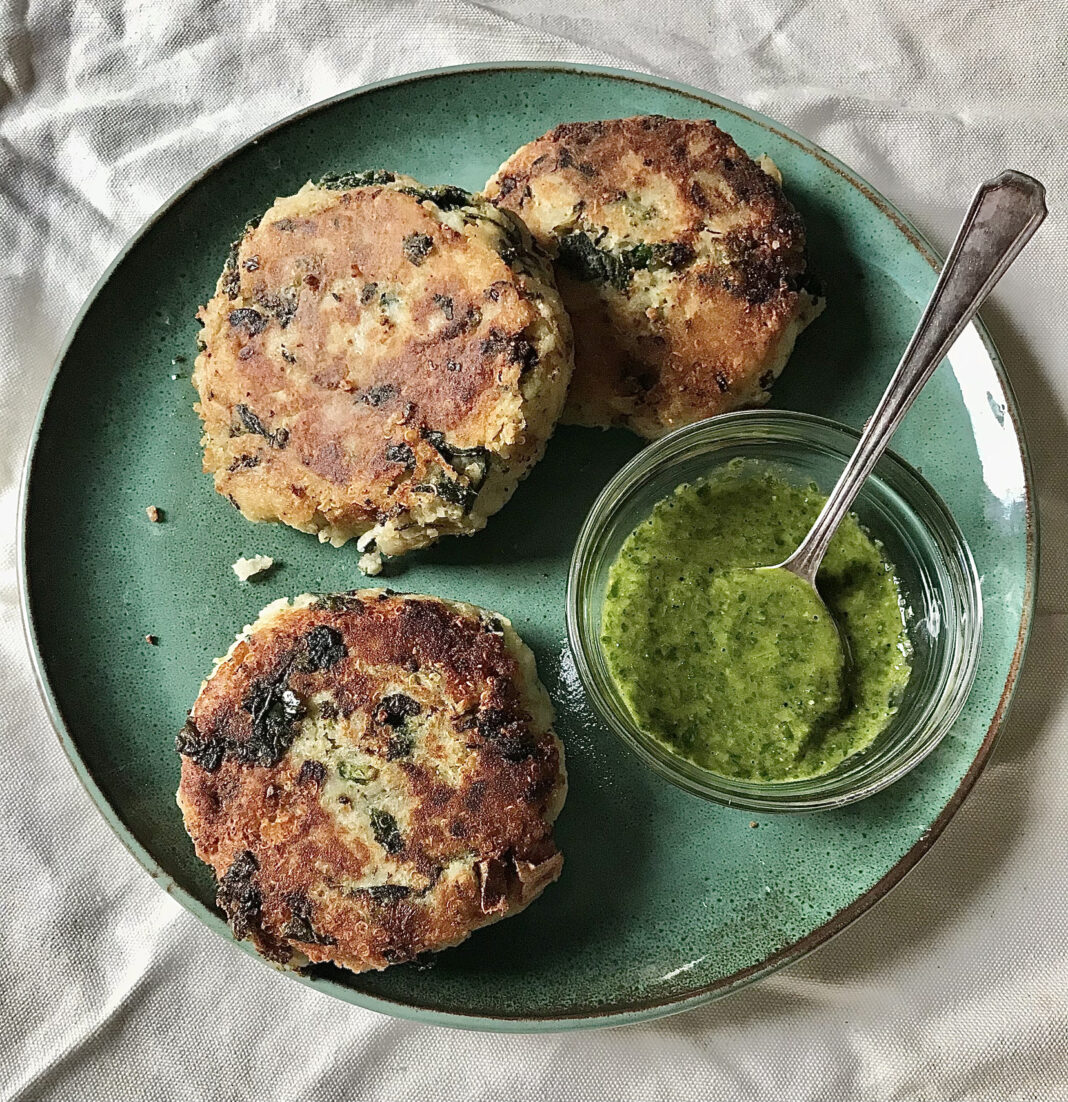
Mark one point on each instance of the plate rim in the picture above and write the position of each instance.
(610, 1014)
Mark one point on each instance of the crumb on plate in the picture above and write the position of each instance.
(371, 562)
(248, 568)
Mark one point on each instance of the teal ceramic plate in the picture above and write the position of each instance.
(665, 900)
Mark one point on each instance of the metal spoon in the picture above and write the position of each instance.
(1004, 214)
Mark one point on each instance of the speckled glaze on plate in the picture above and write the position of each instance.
(666, 901)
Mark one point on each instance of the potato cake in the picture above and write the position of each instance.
(679, 259)
(372, 776)
(380, 360)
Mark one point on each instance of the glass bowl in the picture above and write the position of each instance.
(939, 585)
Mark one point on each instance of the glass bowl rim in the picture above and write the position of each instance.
(816, 793)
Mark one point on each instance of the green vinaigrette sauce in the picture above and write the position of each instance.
(741, 670)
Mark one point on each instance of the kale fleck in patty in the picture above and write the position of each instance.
(372, 776)
(679, 259)
(380, 360)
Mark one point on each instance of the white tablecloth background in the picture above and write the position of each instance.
(955, 986)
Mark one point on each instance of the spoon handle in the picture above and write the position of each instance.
(1004, 214)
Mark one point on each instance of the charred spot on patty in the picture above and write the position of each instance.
(340, 602)
(761, 273)
(283, 306)
(401, 744)
(299, 927)
(471, 319)
(585, 260)
(252, 423)
(515, 346)
(244, 462)
(205, 752)
(402, 454)
(385, 830)
(385, 893)
(249, 320)
(231, 278)
(506, 731)
(379, 394)
(396, 709)
(311, 772)
(239, 896)
(444, 196)
(325, 648)
(275, 709)
(345, 181)
(460, 459)
(417, 247)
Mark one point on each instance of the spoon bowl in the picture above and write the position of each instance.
(844, 645)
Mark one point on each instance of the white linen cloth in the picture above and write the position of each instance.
(955, 986)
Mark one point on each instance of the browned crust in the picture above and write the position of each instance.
(305, 426)
(734, 306)
(476, 850)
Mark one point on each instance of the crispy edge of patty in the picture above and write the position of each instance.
(706, 231)
(520, 392)
(264, 897)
